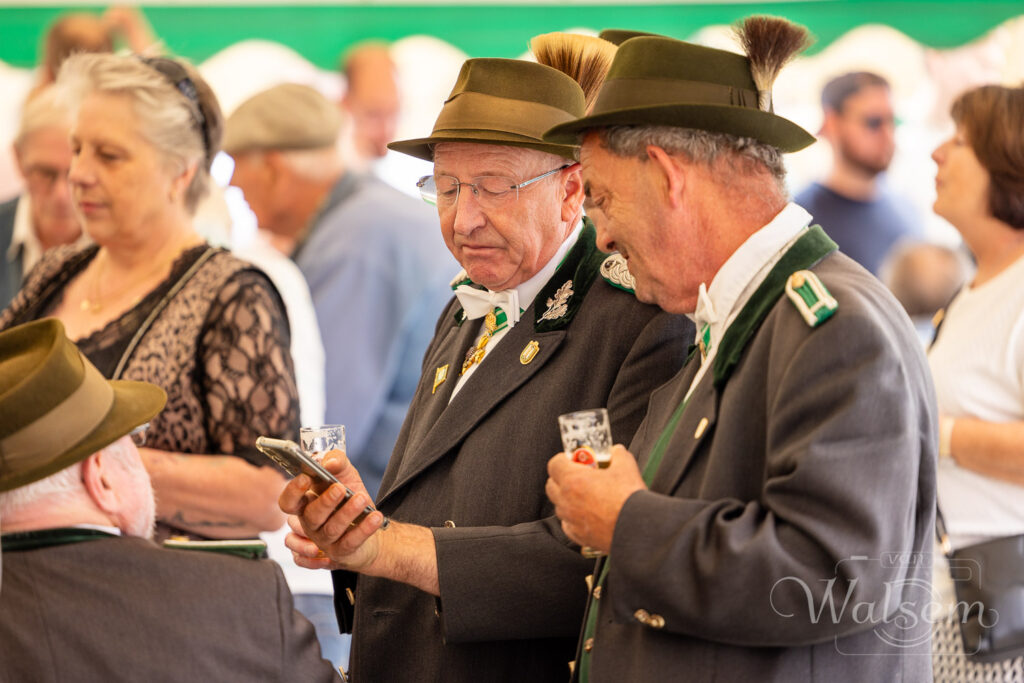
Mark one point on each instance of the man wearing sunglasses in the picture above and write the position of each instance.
(861, 213)
(474, 580)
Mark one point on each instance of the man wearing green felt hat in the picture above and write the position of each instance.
(769, 520)
(86, 595)
(473, 580)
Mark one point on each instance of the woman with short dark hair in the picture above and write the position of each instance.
(152, 301)
(977, 359)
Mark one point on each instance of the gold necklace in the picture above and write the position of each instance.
(94, 304)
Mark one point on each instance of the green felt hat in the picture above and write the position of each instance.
(55, 406)
(620, 35)
(655, 81)
(504, 102)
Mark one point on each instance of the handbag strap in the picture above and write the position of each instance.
(160, 306)
(941, 533)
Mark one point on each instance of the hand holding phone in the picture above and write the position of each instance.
(295, 461)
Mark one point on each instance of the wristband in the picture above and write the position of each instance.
(946, 436)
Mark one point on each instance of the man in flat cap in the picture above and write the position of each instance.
(778, 524)
(473, 580)
(86, 595)
(376, 269)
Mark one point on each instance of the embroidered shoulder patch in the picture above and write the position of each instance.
(810, 297)
(616, 273)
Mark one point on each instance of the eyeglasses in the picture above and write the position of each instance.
(490, 190)
(139, 435)
(45, 178)
(875, 123)
(182, 82)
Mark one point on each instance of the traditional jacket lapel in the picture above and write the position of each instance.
(695, 426)
(698, 420)
(430, 405)
(444, 425)
(500, 375)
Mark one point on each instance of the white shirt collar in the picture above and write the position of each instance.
(23, 238)
(745, 270)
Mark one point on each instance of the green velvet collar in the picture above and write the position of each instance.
(811, 248)
(45, 538)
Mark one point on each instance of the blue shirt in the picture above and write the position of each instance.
(864, 230)
(378, 271)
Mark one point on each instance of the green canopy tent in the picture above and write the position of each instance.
(320, 32)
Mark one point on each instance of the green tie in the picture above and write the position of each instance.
(650, 469)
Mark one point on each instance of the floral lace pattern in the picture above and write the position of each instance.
(219, 349)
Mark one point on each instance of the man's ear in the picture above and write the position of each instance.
(16, 153)
(99, 483)
(671, 172)
(572, 187)
(829, 123)
(276, 168)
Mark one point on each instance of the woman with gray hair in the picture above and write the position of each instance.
(151, 301)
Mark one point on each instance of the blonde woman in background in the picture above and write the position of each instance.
(151, 301)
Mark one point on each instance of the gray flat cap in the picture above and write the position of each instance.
(287, 116)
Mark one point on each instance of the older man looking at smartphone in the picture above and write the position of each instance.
(473, 580)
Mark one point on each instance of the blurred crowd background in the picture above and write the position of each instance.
(928, 51)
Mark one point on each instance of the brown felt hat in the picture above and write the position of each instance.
(504, 102)
(55, 406)
(656, 81)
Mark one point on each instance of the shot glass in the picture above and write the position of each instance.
(587, 436)
(318, 440)
(587, 439)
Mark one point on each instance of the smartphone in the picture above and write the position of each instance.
(293, 460)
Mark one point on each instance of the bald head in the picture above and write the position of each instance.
(72, 33)
(372, 100)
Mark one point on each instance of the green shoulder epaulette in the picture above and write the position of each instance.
(616, 273)
(810, 297)
(249, 548)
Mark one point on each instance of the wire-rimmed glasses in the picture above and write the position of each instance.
(489, 190)
(138, 435)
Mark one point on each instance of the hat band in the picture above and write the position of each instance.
(632, 93)
(64, 426)
(478, 111)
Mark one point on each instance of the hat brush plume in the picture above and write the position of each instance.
(770, 43)
(585, 59)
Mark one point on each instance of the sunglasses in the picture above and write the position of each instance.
(875, 123)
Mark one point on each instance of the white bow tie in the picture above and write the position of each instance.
(478, 302)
